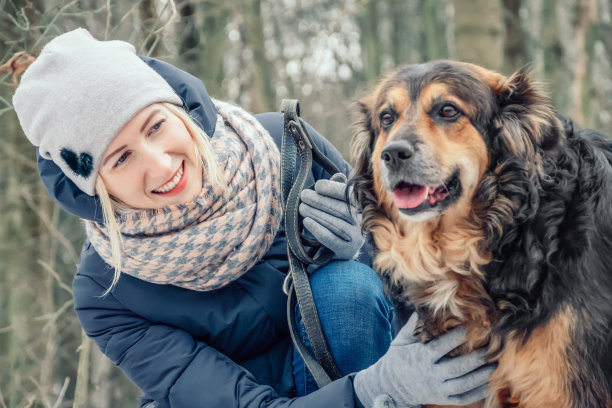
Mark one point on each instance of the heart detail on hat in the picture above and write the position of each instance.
(81, 164)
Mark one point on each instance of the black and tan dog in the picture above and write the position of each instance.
(487, 209)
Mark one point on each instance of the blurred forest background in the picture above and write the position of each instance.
(326, 53)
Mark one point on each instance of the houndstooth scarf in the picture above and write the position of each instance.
(211, 241)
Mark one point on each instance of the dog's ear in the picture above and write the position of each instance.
(521, 130)
(364, 136)
(362, 147)
(525, 122)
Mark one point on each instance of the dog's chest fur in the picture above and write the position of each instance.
(438, 272)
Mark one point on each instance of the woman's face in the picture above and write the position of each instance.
(152, 162)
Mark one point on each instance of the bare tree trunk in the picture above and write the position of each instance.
(263, 96)
(514, 49)
(81, 392)
(599, 81)
(407, 34)
(533, 23)
(47, 248)
(370, 41)
(436, 23)
(101, 371)
(573, 18)
(479, 32)
(204, 42)
(20, 224)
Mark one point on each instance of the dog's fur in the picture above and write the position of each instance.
(516, 242)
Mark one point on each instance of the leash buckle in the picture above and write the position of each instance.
(287, 284)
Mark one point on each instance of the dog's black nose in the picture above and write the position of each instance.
(396, 153)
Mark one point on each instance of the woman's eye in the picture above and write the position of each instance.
(156, 126)
(449, 111)
(386, 119)
(122, 159)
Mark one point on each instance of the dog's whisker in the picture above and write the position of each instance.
(447, 189)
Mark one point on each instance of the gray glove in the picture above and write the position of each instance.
(327, 217)
(412, 373)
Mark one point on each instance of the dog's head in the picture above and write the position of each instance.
(432, 137)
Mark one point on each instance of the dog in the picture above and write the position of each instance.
(487, 209)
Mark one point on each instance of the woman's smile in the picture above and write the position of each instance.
(176, 184)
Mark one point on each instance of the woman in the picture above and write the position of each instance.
(180, 280)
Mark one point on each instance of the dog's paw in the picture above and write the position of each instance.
(384, 401)
(421, 332)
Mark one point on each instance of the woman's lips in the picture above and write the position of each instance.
(175, 185)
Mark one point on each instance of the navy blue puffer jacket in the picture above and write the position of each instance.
(224, 348)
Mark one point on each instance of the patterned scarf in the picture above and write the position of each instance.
(211, 241)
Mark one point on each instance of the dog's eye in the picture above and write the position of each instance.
(386, 119)
(449, 111)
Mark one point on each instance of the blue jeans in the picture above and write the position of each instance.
(355, 316)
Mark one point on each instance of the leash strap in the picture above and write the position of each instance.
(297, 153)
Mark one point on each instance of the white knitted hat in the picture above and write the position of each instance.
(78, 94)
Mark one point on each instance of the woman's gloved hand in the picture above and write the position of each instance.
(327, 217)
(412, 373)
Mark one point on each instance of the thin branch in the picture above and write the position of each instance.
(14, 154)
(60, 397)
(52, 317)
(2, 111)
(85, 12)
(3, 330)
(125, 16)
(52, 22)
(2, 399)
(26, 22)
(31, 401)
(55, 276)
(41, 392)
(6, 103)
(173, 14)
(109, 16)
(52, 229)
(160, 29)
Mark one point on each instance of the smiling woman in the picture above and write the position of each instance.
(156, 137)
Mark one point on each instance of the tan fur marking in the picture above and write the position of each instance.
(399, 99)
(535, 373)
(458, 140)
(495, 80)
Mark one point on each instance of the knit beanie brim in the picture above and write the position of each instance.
(78, 94)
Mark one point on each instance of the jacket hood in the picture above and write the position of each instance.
(195, 100)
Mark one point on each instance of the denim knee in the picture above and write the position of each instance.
(355, 316)
(354, 312)
(348, 286)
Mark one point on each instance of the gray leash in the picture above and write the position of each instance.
(302, 251)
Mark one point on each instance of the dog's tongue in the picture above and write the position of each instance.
(409, 197)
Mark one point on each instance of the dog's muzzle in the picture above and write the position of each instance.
(416, 184)
(396, 154)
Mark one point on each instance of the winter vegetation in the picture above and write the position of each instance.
(326, 53)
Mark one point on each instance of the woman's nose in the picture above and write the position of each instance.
(157, 160)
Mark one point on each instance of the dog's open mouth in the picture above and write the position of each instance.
(413, 198)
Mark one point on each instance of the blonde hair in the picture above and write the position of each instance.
(111, 206)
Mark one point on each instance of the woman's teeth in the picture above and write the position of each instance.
(172, 183)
